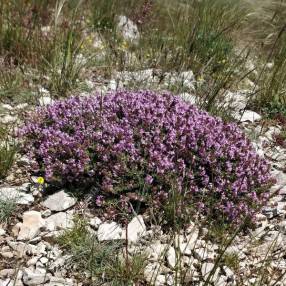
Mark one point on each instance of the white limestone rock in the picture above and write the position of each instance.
(157, 251)
(17, 195)
(249, 116)
(32, 225)
(109, 231)
(128, 30)
(184, 79)
(207, 268)
(95, 222)
(59, 201)
(236, 100)
(33, 278)
(204, 254)
(171, 257)
(45, 98)
(59, 221)
(135, 229)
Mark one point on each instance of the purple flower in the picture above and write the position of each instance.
(148, 179)
(99, 201)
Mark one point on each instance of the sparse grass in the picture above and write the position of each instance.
(14, 85)
(105, 262)
(271, 83)
(65, 68)
(7, 208)
(126, 272)
(41, 39)
(7, 153)
(231, 260)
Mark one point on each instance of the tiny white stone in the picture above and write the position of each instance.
(249, 115)
(171, 257)
(45, 100)
(95, 222)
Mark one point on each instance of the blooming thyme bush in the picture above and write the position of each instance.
(150, 145)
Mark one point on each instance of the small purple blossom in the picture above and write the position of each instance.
(99, 201)
(148, 179)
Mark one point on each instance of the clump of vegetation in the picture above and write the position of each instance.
(7, 153)
(7, 208)
(105, 261)
(231, 260)
(43, 40)
(148, 144)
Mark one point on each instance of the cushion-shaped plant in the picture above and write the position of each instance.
(152, 145)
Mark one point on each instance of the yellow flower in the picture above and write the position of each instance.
(40, 180)
(124, 45)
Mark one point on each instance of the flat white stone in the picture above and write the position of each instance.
(183, 79)
(6, 106)
(250, 116)
(186, 248)
(236, 100)
(59, 281)
(31, 278)
(8, 119)
(189, 98)
(203, 254)
(32, 225)
(109, 231)
(17, 195)
(22, 248)
(157, 251)
(95, 222)
(59, 221)
(135, 229)
(59, 201)
(152, 274)
(207, 268)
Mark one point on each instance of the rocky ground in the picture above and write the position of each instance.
(31, 256)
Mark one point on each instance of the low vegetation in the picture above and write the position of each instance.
(144, 152)
(104, 262)
(148, 145)
(7, 153)
(7, 209)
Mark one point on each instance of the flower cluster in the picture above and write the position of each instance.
(148, 144)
